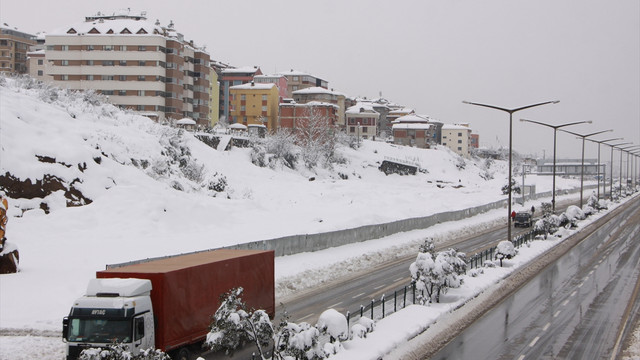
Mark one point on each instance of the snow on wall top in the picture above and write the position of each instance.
(254, 86)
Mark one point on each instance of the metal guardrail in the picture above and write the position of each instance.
(379, 308)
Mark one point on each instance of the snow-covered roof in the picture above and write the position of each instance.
(253, 86)
(455, 127)
(237, 126)
(402, 111)
(241, 70)
(411, 118)
(360, 108)
(186, 121)
(413, 126)
(315, 90)
(116, 26)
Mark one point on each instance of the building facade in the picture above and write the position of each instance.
(14, 46)
(139, 65)
(322, 95)
(298, 80)
(362, 121)
(229, 77)
(318, 115)
(413, 130)
(255, 104)
(279, 80)
(457, 138)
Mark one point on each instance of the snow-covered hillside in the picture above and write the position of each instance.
(141, 189)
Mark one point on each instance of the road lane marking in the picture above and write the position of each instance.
(379, 287)
(334, 305)
(521, 357)
(546, 326)
(533, 343)
(359, 295)
(590, 272)
(573, 294)
(564, 303)
(580, 285)
(398, 279)
(302, 318)
(596, 266)
(556, 314)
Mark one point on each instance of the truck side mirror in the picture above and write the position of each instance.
(65, 328)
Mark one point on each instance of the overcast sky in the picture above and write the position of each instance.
(427, 55)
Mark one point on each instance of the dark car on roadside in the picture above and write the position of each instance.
(523, 219)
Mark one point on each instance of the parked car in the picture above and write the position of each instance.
(523, 219)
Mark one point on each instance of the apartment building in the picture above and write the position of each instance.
(362, 121)
(318, 115)
(298, 80)
(14, 46)
(413, 130)
(279, 80)
(140, 65)
(230, 76)
(320, 94)
(457, 138)
(255, 104)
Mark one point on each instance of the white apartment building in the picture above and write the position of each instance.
(138, 64)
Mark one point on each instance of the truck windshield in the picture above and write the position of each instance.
(100, 330)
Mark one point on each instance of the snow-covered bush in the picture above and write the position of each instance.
(358, 331)
(504, 250)
(574, 213)
(299, 341)
(334, 324)
(118, 352)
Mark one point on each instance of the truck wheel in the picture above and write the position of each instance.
(183, 354)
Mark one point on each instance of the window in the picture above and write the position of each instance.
(264, 97)
(107, 48)
(122, 92)
(459, 148)
(90, 62)
(459, 141)
(140, 107)
(107, 77)
(295, 78)
(141, 78)
(40, 62)
(138, 328)
(242, 108)
(65, 47)
(90, 77)
(40, 73)
(459, 134)
(264, 108)
(142, 48)
(122, 77)
(122, 63)
(89, 47)
(243, 97)
(64, 77)
(107, 92)
(123, 47)
(64, 62)
(107, 62)
(140, 92)
(142, 63)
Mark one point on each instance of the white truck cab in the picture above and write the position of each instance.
(112, 311)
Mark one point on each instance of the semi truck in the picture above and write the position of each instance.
(166, 303)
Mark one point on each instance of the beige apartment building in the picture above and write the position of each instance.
(140, 65)
(14, 46)
(457, 138)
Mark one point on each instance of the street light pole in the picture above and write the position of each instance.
(614, 146)
(582, 169)
(510, 111)
(555, 131)
(625, 149)
(604, 183)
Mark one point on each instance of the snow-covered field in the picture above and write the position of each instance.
(136, 211)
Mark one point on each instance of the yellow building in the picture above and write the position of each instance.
(254, 104)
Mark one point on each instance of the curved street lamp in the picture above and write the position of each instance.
(555, 131)
(625, 149)
(510, 111)
(604, 183)
(582, 169)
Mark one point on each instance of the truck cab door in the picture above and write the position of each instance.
(139, 339)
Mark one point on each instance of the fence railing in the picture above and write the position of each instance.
(386, 305)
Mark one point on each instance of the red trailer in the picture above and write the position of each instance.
(186, 289)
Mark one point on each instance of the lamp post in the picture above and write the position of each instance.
(613, 146)
(582, 169)
(555, 132)
(626, 175)
(511, 111)
(604, 183)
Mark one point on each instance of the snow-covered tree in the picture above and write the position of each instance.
(434, 274)
(505, 249)
(515, 188)
(233, 325)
